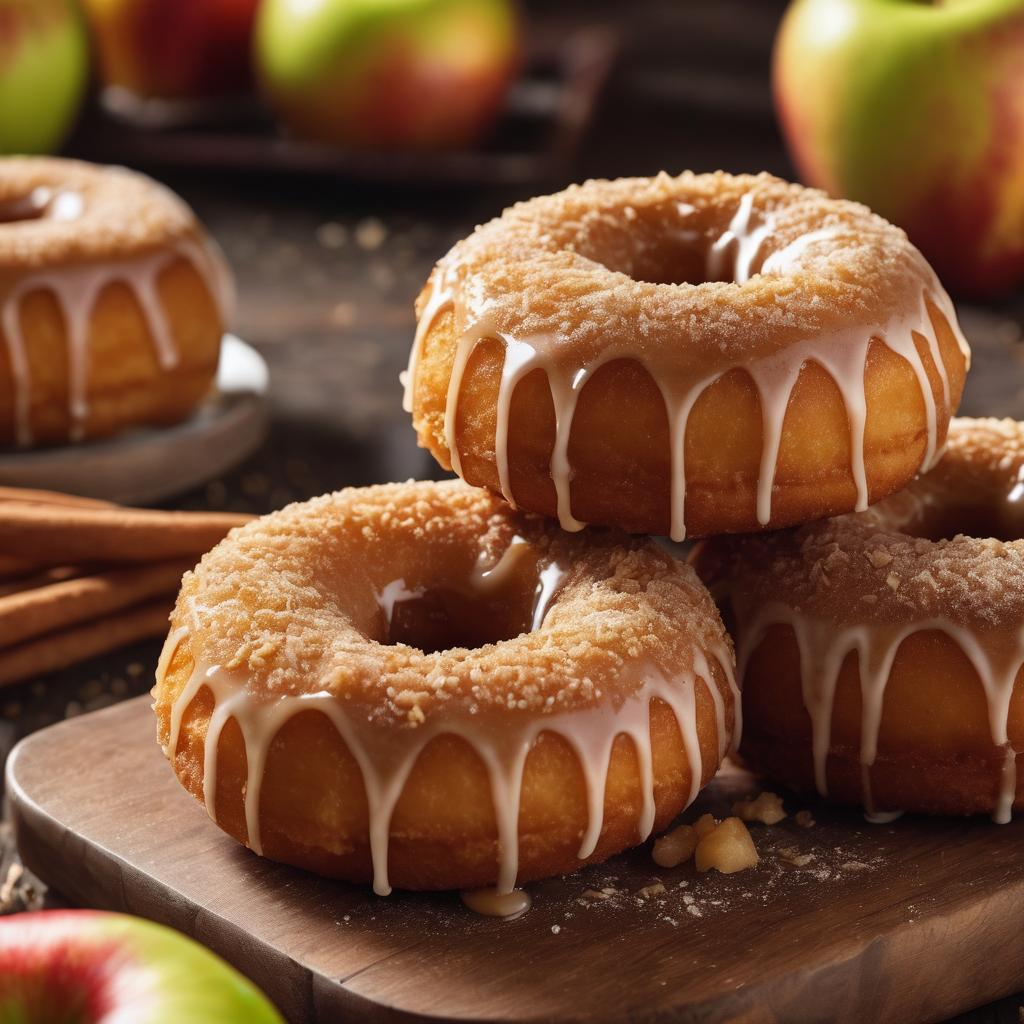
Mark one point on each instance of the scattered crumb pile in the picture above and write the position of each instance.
(765, 807)
(725, 846)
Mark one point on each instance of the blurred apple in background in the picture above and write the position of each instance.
(388, 73)
(173, 49)
(917, 110)
(44, 67)
(83, 965)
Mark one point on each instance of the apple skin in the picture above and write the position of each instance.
(44, 71)
(186, 49)
(387, 73)
(84, 965)
(917, 110)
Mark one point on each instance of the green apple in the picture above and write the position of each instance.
(917, 110)
(44, 70)
(389, 73)
(85, 966)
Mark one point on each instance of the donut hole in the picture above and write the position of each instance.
(467, 611)
(41, 203)
(439, 620)
(983, 518)
(668, 261)
(653, 246)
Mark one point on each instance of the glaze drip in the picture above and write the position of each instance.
(76, 289)
(387, 758)
(734, 255)
(491, 903)
(823, 648)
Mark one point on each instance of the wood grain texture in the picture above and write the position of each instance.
(911, 921)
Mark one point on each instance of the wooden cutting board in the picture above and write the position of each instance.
(842, 921)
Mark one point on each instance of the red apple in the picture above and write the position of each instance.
(184, 49)
(917, 110)
(44, 68)
(95, 968)
(389, 73)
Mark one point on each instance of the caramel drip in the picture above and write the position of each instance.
(76, 289)
(732, 256)
(823, 648)
(387, 756)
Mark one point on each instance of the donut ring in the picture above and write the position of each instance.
(564, 359)
(294, 674)
(880, 653)
(113, 302)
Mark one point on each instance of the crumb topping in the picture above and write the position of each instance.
(876, 567)
(123, 214)
(583, 267)
(293, 600)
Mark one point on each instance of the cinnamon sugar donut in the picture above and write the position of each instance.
(113, 301)
(690, 355)
(880, 653)
(415, 684)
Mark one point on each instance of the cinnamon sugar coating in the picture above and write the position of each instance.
(573, 266)
(912, 556)
(293, 600)
(122, 214)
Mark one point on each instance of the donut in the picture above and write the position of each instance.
(694, 355)
(880, 652)
(416, 685)
(113, 302)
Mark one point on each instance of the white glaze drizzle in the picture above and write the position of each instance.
(734, 254)
(824, 647)
(76, 289)
(386, 755)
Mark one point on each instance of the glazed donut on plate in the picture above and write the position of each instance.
(690, 355)
(879, 653)
(113, 301)
(414, 684)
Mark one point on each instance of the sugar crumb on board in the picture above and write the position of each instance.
(791, 854)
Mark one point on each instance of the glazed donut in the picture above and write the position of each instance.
(113, 302)
(414, 684)
(880, 653)
(690, 355)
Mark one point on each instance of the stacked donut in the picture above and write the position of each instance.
(456, 685)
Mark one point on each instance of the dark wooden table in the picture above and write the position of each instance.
(327, 273)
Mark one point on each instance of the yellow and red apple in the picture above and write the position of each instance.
(83, 965)
(44, 69)
(387, 73)
(185, 49)
(916, 109)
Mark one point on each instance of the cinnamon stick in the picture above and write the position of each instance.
(14, 568)
(30, 613)
(70, 646)
(50, 535)
(33, 496)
